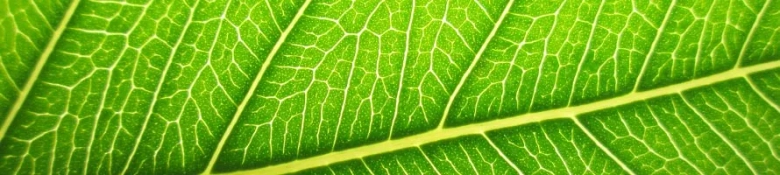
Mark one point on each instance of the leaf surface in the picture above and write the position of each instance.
(390, 87)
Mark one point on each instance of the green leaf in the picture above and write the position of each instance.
(390, 87)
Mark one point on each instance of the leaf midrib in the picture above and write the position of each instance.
(415, 140)
(480, 128)
(36, 71)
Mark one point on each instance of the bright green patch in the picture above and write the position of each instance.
(389, 87)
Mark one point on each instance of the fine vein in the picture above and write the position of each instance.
(253, 87)
(474, 62)
(478, 128)
(752, 32)
(653, 46)
(160, 83)
(42, 59)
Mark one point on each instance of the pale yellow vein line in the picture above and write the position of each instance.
(428, 159)
(770, 103)
(725, 139)
(602, 147)
(349, 79)
(654, 45)
(585, 52)
(366, 166)
(761, 93)
(42, 59)
(475, 61)
(503, 156)
(752, 32)
(403, 69)
(479, 128)
(254, 85)
(159, 87)
(104, 94)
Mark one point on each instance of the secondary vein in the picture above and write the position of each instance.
(479, 128)
(654, 45)
(752, 32)
(474, 62)
(160, 83)
(254, 85)
(42, 59)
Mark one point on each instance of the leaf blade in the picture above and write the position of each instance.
(150, 87)
(389, 146)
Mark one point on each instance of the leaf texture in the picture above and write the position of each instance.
(390, 87)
